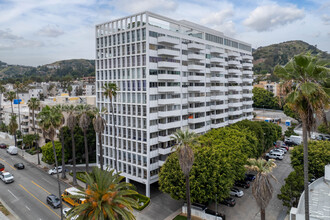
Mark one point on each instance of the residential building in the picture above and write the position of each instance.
(319, 200)
(171, 75)
(89, 89)
(273, 87)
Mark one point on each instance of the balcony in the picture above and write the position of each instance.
(219, 88)
(153, 128)
(233, 62)
(166, 64)
(233, 121)
(247, 57)
(248, 102)
(168, 52)
(235, 104)
(198, 130)
(247, 87)
(164, 114)
(196, 46)
(248, 65)
(217, 60)
(168, 77)
(153, 141)
(236, 112)
(196, 99)
(196, 89)
(175, 89)
(216, 79)
(193, 56)
(235, 71)
(219, 125)
(219, 107)
(235, 96)
(247, 80)
(246, 110)
(165, 151)
(217, 50)
(168, 40)
(193, 67)
(219, 116)
(197, 109)
(217, 69)
(196, 120)
(235, 79)
(235, 88)
(247, 95)
(153, 103)
(248, 72)
(219, 98)
(233, 54)
(196, 78)
(169, 125)
(169, 101)
(164, 138)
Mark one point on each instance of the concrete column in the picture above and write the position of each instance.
(148, 190)
(127, 180)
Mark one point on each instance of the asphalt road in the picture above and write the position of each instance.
(246, 206)
(26, 196)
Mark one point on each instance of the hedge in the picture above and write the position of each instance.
(143, 200)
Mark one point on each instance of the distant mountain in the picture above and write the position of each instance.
(75, 68)
(266, 58)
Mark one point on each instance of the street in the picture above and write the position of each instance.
(26, 196)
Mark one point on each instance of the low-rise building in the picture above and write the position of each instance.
(270, 86)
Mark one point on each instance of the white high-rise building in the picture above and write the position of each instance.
(171, 75)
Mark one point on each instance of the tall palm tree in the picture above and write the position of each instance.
(33, 105)
(84, 122)
(184, 141)
(307, 96)
(61, 109)
(99, 125)
(262, 188)
(71, 123)
(11, 95)
(18, 86)
(110, 91)
(2, 91)
(50, 119)
(13, 126)
(107, 197)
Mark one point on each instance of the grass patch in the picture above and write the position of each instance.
(4, 210)
(142, 200)
(180, 217)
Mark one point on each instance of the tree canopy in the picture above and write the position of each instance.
(264, 99)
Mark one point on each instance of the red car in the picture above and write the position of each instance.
(4, 146)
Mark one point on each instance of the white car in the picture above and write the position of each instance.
(6, 177)
(274, 155)
(278, 151)
(236, 192)
(54, 170)
(65, 214)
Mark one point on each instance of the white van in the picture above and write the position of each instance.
(296, 139)
(12, 150)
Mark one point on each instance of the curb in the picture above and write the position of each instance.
(9, 209)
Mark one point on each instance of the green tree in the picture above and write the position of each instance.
(28, 140)
(184, 141)
(264, 99)
(13, 126)
(33, 105)
(289, 132)
(110, 91)
(48, 154)
(2, 91)
(288, 112)
(107, 197)
(11, 95)
(50, 119)
(323, 128)
(307, 97)
(262, 189)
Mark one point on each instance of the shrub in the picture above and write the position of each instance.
(142, 200)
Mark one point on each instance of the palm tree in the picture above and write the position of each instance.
(184, 141)
(11, 95)
(13, 126)
(33, 105)
(61, 109)
(110, 91)
(71, 123)
(2, 91)
(50, 119)
(84, 122)
(18, 86)
(307, 96)
(262, 188)
(99, 125)
(107, 197)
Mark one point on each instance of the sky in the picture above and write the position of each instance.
(37, 32)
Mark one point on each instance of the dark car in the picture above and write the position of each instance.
(228, 202)
(290, 143)
(54, 201)
(242, 183)
(2, 145)
(19, 166)
(249, 177)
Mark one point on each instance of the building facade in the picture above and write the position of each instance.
(171, 75)
(273, 87)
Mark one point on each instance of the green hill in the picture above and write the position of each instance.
(266, 58)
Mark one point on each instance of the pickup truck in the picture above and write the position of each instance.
(6, 177)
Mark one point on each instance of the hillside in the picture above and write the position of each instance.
(75, 68)
(266, 58)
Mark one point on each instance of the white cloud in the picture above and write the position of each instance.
(12, 41)
(326, 19)
(134, 6)
(268, 17)
(50, 31)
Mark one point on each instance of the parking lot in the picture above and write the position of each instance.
(246, 207)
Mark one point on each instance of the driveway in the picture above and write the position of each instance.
(246, 207)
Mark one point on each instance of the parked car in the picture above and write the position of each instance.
(65, 214)
(6, 177)
(274, 155)
(3, 146)
(242, 183)
(54, 170)
(279, 151)
(228, 202)
(12, 150)
(285, 149)
(2, 167)
(250, 177)
(289, 143)
(323, 137)
(54, 201)
(236, 192)
(19, 166)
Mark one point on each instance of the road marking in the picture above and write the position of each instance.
(12, 194)
(47, 191)
(8, 164)
(46, 180)
(40, 201)
(28, 208)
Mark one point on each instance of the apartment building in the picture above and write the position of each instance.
(273, 87)
(171, 75)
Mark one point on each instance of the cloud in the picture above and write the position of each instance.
(50, 31)
(268, 17)
(134, 6)
(326, 19)
(12, 41)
